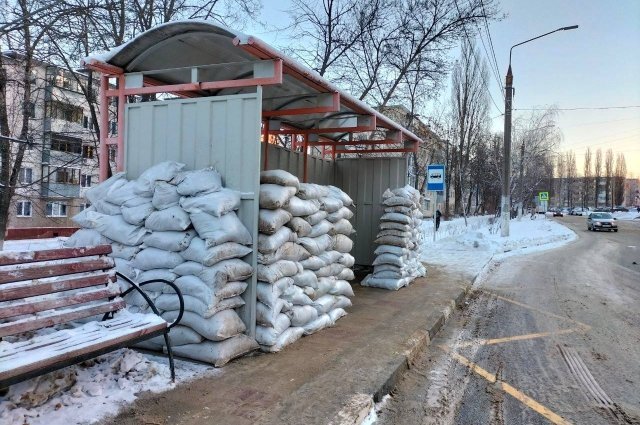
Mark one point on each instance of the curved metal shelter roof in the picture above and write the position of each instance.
(200, 58)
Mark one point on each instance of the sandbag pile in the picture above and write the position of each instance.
(397, 263)
(298, 293)
(179, 226)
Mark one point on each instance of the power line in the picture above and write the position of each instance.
(493, 52)
(589, 108)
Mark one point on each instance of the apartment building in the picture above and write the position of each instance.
(60, 161)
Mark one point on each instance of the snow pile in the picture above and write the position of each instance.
(397, 263)
(303, 259)
(178, 226)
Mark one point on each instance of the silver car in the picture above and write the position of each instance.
(601, 221)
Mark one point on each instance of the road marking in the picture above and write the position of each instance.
(512, 391)
(481, 341)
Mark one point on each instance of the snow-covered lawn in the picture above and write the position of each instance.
(89, 392)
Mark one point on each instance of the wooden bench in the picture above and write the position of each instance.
(41, 289)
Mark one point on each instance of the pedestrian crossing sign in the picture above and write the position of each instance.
(543, 196)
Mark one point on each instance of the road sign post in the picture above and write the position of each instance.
(435, 183)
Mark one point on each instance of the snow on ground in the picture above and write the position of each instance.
(86, 393)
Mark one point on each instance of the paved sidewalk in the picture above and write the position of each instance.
(329, 377)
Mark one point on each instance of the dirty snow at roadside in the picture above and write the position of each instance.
(467, 249)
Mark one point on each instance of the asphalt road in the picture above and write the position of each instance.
(552, 337)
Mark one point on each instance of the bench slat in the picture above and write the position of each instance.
(107, 340)
(8, 257)
(49, 270)
(33, 288)
(57, 317)
(30, 307)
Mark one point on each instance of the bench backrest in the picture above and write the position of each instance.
(44, 288)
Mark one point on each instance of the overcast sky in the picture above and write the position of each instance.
(595, 66)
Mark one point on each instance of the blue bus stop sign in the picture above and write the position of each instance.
(435, 177)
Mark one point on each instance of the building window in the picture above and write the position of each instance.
(67, 175)
(66, 144)
(85, 121)
(23, 208)
(85, 180)
(84, 206)
(87, 151)
(65, 111)
(25, 176)
(113, 152)
(56, 209)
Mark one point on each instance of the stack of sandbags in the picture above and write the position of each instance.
(397, 263)
(179, 226)
(278, 261)
(326, 271)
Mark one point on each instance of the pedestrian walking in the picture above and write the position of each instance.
(438, 214)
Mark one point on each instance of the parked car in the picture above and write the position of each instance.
(565, 211)
(556, 212)
(602, 209)
(580, 211)
(619, 208)
(601, 221)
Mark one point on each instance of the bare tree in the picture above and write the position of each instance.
(586, 180)
(608, 175)
(597, 170)
(619, 179)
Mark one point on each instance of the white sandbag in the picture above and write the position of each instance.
(287, 337)
(188, 267)
(138, 214)
(322, 228)
(389, 267)
(288, 251)
(336, 314)
(172, 218)
(273, 196)
(391, 225)
(126, 252)
(220, 326)
(316, 218)
(202, 181)
(324, 286)
(392, 259)
(323, 321)
(121, 192)
(278, 270)
(165, 195)
(134, 298)
(154, 274)
(398, 201)
(115, 228)
(330, 204)
(313, 263)
(225, 271)
(316, 246)
(268, 294)
(391, 249)
(347, 260)
(342, 226)
(342, 213)
(308, 191)
(384, 283)
(279, 177)
(168, 302)
(346, 274)
(154, 258)
(104, 207)
(399, 209)
(300, 226)
(340, 194)
(302, 314)
(393, 232)
(218, 230)
(215, 203)
(267, 335)
(85, 237)
(342, 243)
(171, 240)
(180, 335)
(324, 304)
(394, 240)
(195, 287)
(342, 302)
(388, 274)
(330, 257)
(82, 220)
(299, 208)
(217, 353)
(396, 217)
(296, 296)
(125, 268)
(164, 171)
(138, 200)
(270, 243)
(197, 251)
(332, 269)
(305, 278)
(96, 193)
(231, 289)
(269, 221)
(268, 316)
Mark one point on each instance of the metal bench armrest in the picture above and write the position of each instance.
(138, 287)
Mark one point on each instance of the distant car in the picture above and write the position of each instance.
(565, 211)
(601, 221)
(619, 208)
(602, 209)
(579, 211)
(557, 213)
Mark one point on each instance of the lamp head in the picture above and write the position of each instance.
(572, 27)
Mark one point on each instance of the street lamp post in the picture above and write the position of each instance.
(506, 169)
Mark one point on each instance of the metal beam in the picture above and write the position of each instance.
(333, 106)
